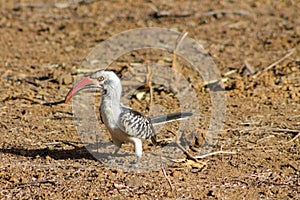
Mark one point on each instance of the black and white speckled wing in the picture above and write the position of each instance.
(135, 124)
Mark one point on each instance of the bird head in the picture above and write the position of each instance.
(101, 80)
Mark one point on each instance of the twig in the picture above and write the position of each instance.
(249, 67)
(158, 14)
(294, 117)
(165, 174)
(202, 156)
(214, 153)
(180, 41)
(174, 66)
(246, 183)
(280, 60)
(84, 71)
(277, 62)
(239, 12)
(34, 183)
(265, 138)
(34, 101)
(53, 103)
(189, 156)
(47, 143)
(174, 61)
(229, 73)
(178, 160)
(293, 139)
(149, 82)
(21, 97)
(74, 2)
(31, 5)
(285, 130)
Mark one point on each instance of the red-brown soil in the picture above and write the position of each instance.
(43, 45)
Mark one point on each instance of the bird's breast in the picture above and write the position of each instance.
(111, 123)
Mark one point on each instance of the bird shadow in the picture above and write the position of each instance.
(77, 152)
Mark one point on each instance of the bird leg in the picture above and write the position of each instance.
(138, 147)
(153, 140)
(118, 145)
(117, 149)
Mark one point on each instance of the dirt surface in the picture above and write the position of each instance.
(43, 45)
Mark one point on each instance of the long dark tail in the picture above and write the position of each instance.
(170, 117)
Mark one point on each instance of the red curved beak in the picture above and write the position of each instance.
(84, 83)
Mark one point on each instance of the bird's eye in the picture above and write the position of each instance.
(101, 78)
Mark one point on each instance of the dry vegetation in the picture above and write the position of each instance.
(255, 45)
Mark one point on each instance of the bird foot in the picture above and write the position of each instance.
(136, 164)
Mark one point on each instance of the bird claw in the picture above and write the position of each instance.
(135, 164)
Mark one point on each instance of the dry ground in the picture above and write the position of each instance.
(43, 44)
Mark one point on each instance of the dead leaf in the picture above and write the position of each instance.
(140, 95)
(193, 164)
